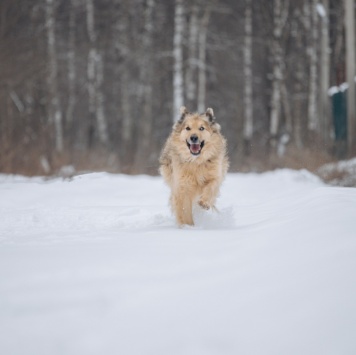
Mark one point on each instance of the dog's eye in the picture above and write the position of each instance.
(201, 129)
(187, 128)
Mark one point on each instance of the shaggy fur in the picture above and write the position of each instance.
(193, 163)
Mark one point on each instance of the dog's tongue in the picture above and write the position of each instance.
(195, 148)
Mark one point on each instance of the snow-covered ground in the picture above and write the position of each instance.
(341, 173)
(97, 265)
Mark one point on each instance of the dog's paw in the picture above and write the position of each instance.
(204, 205)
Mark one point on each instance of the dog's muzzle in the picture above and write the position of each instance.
(194, 145)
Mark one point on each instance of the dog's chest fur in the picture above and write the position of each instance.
(196, 175)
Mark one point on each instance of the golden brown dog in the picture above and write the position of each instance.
(193, 163)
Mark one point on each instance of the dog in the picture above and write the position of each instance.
(193, 163)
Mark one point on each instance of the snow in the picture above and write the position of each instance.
(340, 173)
(336, 89)
(333, 90)
(96, 265)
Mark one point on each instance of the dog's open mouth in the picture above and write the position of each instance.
(195, 148)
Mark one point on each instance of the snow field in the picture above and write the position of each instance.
(97, 265)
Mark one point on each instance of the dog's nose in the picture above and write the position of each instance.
(194, 138)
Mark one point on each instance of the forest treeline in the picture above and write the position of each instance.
(97, 84)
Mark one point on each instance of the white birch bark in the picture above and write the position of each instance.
(313, 118)
(247, 52)
(178, 59)
(202, 59)
(55, 113)
(71, 65)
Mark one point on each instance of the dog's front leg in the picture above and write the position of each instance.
(182, 205)
(209, 194)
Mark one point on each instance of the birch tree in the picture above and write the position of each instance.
(95, 73)
(117, 69)
(350, 73)
(91, 70)
(313, 119)
(300, 26)
(202, 58)
(71, 65)
(122, 55)
(279, 18)
(190, 82)
(99, 104)
(247, 52)
(178, 58)
(55, 113)
(324, 109)
(146, 76)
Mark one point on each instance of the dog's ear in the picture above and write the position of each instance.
(212, 120)
(210, 114)
(183, 111)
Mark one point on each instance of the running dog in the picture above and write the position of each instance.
(194, 163)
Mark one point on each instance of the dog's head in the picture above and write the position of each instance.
(196, 131)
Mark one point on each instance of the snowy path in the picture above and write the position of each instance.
(97, 266)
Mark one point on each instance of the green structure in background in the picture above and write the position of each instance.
(339, 119)
(339, 111)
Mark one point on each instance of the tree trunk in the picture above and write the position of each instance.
(350, 73)
(202, 58)
(190, 83)
(286, 108)
(298, 117)
(325, 71)
(100, 113)
(313, 117)
(277, 70)
(248, 105)
(55, 113)
(144, 146)
(91, 71)
(178, 59)
(71, 71)
(122, 57)
(95, 73)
